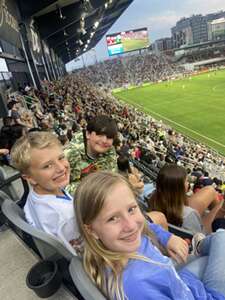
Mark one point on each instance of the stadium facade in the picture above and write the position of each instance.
(216, 29)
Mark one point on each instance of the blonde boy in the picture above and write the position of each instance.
(40, 159)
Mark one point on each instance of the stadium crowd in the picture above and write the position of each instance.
(67, 105)
(131, 70)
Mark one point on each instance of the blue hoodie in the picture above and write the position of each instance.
(158, 279)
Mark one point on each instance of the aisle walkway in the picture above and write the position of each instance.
(15, 262)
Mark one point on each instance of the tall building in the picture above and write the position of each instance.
(163, 44)
(216, 29)
(193, 30)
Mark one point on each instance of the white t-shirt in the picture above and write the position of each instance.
(192, 220)
(51, 213)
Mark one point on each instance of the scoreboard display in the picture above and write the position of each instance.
(113, 40)
(125, 41)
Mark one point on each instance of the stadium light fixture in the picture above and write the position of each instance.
(96, 24)
(83, 31)
(82, 22)
(61, 16)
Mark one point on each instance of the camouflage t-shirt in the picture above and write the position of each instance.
(81, 165)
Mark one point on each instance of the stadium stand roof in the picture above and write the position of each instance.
(72, 27)
(201, 45)
(208, 61)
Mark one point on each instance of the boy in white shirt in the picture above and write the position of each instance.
(40, 159)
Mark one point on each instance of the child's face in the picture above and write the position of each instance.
(98, 143)
(49, 170)
(120, 223)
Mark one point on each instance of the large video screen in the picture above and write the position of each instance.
(125, 41)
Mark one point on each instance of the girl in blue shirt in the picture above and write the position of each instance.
(123, 253)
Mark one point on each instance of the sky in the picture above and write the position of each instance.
(159, 16)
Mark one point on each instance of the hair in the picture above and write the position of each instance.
(7, 121)
(123, 164)
(63, 139)
(169, 196)
(11, 104)
(98, 260)
(103, 125)
(21, 150)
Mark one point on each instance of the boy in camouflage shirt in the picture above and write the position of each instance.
(92, 150)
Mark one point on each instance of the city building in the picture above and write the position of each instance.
(163, 44)
(216, 29)
(195, 29)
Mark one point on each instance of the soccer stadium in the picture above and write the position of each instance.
(112, 171)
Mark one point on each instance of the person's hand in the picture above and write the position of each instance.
(177, 249)
(136, 182)
(135, 171)
(4, 151)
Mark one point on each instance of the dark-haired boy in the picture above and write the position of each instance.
(92, 149)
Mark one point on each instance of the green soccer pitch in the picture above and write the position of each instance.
(132, 44)
(194, 106)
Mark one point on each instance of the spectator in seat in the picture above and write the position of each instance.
(92, 149)
(40, 159)
(189, 212)
(134, 177)
(122, 252)
(142, 190)
(13, 112)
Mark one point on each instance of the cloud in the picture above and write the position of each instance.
(160, 15)
(161, 22)
(204, 7)
(167, 19)
(160, 25)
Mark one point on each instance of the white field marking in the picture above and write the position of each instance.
(217, 85)
(180, 125)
